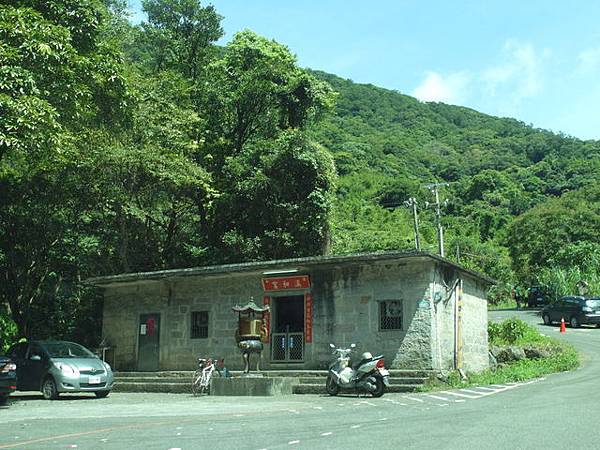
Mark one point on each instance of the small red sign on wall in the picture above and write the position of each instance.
(308, 317)
(284, 283)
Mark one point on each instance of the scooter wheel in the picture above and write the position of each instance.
(331, 386)
(379, 387)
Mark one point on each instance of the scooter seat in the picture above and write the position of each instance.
(355, 366)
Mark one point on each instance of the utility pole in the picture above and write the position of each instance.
(433, 187)
(412, 203)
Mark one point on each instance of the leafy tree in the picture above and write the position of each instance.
(178, 35)
(285, 187)
(540, 237)
(256, 91)
(58, 79)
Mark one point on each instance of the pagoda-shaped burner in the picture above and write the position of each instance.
(251, 331)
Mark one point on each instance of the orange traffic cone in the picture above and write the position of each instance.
(562, 325)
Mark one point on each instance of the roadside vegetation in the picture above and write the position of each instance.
(522, 353)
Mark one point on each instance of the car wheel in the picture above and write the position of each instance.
(574, 322)
(546, 319)
(331, 386)
(3, 400)
(49, 389)
(102, 394)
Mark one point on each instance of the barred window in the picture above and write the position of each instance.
(390, 315)
(199, 325)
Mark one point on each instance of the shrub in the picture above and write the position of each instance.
(511, 331)
(8, 331)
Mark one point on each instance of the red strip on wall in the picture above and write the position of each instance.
(267, 316)
(308, 317)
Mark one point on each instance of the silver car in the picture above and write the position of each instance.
(53, 367)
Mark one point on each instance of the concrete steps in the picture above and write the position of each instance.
(309, 381)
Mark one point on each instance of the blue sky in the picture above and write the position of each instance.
(535, 60)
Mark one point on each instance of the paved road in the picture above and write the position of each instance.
(559, 411)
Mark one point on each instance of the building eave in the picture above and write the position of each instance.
(263, 266)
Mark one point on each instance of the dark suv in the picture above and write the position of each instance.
(576, 310)
(538, 296)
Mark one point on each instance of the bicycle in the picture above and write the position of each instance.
(204, 373)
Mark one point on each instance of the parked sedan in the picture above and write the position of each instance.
(8, 378)
(53, 367)
(576, 310)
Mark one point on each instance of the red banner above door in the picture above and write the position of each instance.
(286, 283)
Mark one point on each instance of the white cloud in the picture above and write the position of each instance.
(516, 73)
(436, 88)
(589, 60)
(519, 75)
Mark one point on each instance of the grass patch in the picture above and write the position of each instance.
(506, 303)
(560, 357)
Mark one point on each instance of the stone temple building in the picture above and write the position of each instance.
(419, 310)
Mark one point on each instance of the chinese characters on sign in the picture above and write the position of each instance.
(308, 318)
(283, 283)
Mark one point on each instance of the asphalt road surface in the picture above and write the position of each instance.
(557, 412)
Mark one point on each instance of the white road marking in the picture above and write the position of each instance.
(458, 394)
(437, 397)
(469, 391)
(413, 398)
(317, 407)
(293, 442)
(383, 419)
(355, 426)
(329, 433)
(485, 388)
(461, 400)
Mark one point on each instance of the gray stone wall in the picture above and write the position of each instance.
(474, 330)
(473, 326)
(347, 311)
(346, 301)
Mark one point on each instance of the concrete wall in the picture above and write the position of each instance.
(474, 330)
(345, 310)
(473, 334)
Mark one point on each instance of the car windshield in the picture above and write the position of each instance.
(67, 350)
(593, 303)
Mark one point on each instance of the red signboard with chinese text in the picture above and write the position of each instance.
(267, 317)
(283, 283)
(308, 317)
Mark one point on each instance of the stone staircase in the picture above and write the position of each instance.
(309, 381)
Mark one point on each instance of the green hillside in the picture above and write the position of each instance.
(388, 146)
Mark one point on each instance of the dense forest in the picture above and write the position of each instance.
(131, 148)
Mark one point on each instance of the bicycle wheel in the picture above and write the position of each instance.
(196, 382)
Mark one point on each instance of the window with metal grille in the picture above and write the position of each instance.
(390, 315)
(199, 325)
